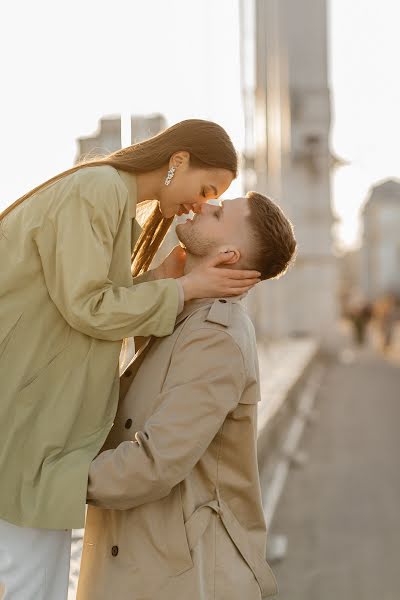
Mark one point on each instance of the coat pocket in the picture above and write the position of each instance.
(198, 523)
(179, 556)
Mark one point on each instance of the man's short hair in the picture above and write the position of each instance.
(274, 242)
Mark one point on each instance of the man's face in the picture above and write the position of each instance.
(217, 228)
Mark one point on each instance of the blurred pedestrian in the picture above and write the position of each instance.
(359, 314)
(361, 320)
(388, 316)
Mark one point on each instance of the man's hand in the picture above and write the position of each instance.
(172, 266)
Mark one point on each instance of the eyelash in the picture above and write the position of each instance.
(203, 193)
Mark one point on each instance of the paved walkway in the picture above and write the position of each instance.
(341, 511)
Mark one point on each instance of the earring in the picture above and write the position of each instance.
(170, 175)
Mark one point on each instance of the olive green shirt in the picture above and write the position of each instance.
(67, 299)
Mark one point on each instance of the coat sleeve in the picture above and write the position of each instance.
(148, 276)
(204, 383)
(75, 244)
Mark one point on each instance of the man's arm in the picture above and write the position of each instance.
(204, 383)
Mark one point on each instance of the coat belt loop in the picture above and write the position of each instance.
(218, 500)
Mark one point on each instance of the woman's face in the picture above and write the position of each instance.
(191, 186)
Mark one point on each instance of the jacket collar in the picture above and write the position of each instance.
(130, 181)
(193, 305)
(221, 315)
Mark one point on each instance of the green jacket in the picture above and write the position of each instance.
(67, 298)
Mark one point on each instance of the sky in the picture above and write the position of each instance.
(365, 86)
(65, 65)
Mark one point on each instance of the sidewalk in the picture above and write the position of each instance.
(282, 364)
(340, 511)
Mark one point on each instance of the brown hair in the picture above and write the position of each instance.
(274, 237)
(208, 145)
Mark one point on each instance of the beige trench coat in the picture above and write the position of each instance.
(67, 298)
(176, 510)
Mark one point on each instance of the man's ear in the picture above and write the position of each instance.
(234, 258)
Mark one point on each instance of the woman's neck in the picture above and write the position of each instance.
(148, 185)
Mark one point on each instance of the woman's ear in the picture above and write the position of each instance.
(179, 158)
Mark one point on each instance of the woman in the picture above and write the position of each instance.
(67, 300)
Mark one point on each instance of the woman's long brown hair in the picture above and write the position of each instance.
(208, 145)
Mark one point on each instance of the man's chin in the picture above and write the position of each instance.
(180, 231)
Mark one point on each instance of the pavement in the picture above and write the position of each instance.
(340, 511)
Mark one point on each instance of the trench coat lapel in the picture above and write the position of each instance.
(189, 308)
(132, 368)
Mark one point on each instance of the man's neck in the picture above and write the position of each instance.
(193, 261)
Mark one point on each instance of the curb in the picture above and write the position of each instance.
(273, 445)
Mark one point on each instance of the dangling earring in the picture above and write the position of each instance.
(170, 175)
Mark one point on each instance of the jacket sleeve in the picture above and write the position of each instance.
(204, 383)
(75, 244)
(148, 276)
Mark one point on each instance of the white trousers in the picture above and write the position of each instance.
(34, 563)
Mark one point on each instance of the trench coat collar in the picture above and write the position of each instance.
(215, 303)
(222, 312)
(130, 181)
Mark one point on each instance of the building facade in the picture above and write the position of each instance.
(143, 128)
(107, 138)
(287, 118)
(380, 252)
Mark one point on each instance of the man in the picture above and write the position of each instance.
(175, 498)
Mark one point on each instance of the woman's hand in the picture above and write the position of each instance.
(209, 281)
(172, 266)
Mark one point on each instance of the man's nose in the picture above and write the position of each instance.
(205, 208)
